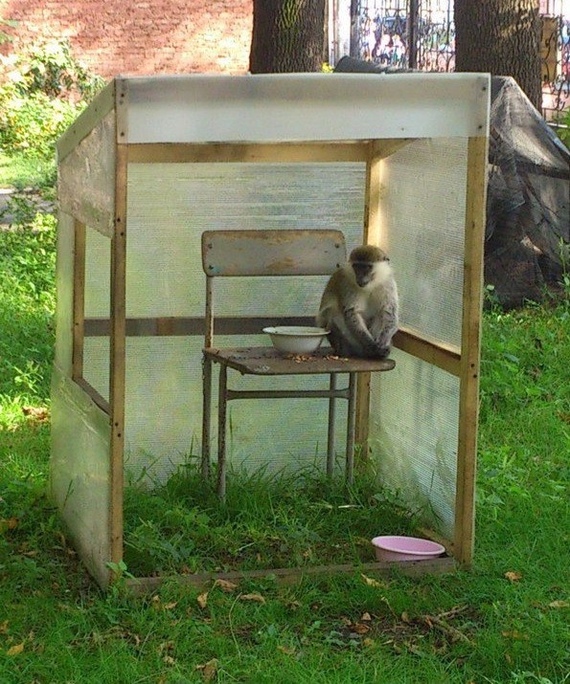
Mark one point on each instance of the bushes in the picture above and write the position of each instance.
(43, 91)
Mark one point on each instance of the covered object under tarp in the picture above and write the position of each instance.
(527, 237)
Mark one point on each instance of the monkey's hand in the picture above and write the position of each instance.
(359, 331)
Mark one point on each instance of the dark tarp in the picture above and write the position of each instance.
(527, 237)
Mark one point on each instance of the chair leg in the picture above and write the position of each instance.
(206, 415)
(350, 424)
(222, 416)
(330, 436)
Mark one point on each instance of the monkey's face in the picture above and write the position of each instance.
(370, 272)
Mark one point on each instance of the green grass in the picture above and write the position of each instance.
(293, 520)
(22, 172)
(505, 621)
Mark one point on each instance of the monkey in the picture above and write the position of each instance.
(360, 307)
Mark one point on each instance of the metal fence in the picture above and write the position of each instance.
(420, 34)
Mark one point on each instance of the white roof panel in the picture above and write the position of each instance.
(301, 107)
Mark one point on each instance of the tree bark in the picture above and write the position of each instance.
(288, 36)
(503, 38)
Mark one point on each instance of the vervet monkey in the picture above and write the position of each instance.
(359, 306)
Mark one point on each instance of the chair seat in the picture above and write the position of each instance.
(269, 361)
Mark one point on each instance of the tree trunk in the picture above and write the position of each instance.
(288, 36)
(503, 38)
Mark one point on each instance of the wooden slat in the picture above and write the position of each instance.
(444, 356)
(78, 300)
(101, 402)
(189, 153)
(117, 356)
(436, 353)
(272, 252)
(142, 585)
(268, 361)
(86, 122)
(172, 327)
(371, 235)
(470, 344)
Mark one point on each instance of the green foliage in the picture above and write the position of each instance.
(27, 302)
(563, 130)
(44, 91)
(50, 68)
(33, 123)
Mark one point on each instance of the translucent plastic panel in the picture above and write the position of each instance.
(97, 274)
(170, 205)
(96, 364)
(87, 178)
(414, 431)
(204, 108)
(80, 472)
(164, 414)
(96, 350)
(423, 219)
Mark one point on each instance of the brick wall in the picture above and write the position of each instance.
(138, 37)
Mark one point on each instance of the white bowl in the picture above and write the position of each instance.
(296, 339)
(394, 548)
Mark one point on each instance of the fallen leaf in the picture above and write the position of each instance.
(366, 617)
(170, 606)
(258, 598)
(513, 576)
(559, 604)
(15, 650)
(4, 627)
(209, 669)
(371, 582)
(168, 660)
(514, 634)
(40, 414)
(225, 585)
(8, 524)
(287, 650)
(203, 599)
(360, 628)
(368, 642)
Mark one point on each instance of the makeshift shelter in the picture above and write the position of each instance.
(527, 236)
(154, 162)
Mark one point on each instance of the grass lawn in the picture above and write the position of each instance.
(505, 621)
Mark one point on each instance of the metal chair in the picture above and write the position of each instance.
(229, 253)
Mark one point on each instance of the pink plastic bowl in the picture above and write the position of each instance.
(394, 548)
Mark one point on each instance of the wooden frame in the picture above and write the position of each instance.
(462, 363)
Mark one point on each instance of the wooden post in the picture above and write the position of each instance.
(371, 235)
(470, 350)
(78, 300)
(117, 336)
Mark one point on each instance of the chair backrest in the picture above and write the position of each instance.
(272, 252)
(266, 253)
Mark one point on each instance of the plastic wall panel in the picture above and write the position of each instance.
(170, 205)
(80, 471)
(96, 350)
(96, 364)
(423, 227)
(97, 274)
(414, 423)
(277, 107)
(164, 412)
(86, 187)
